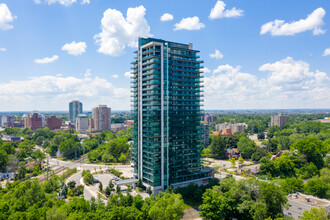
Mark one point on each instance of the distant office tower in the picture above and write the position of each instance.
(75, 108)
(81, 122)
(33, 121)
(53, 123)
(167, 105)
(101, 118)
(279, 120)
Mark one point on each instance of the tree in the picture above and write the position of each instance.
(78, 190)
(292, 185)
(261, 136)
(101, 187)
(316, 214)
(107, 191)
(8, 147)
(149, 190)
(111, 185)
(38, 155)
(53, 150)
(246, 147)
(72, 184)
(40, 140)
(63, 189)
(88, 179)
(168, 206)
(243, 199)
(233, 161)
(46, 144)
(317, 187)
(51, 185)
(122, 158)
(313, 150)
(260, 153)
(217, 147)
(70, 148)
(21, 170)
(215, 206)
(273, 198)
(3, 160)
(118, 189)
(12, 163)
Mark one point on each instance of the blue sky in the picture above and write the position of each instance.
(257, 54)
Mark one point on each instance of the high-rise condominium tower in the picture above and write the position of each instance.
(75, 108)
(166, 92)
(101, 117)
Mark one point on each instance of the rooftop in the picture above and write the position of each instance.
(308, 200)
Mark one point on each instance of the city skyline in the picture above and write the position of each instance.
(257, 55)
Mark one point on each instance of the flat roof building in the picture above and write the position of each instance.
(279, 120)
(298, 203)
(167, 95)
(81, 122)
(33, 121)
(53, 123)
(101, 118)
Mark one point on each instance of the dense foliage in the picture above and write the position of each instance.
(31, 200)
(243, 199)
(113, 148)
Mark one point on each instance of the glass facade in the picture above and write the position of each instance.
(166, 103)
(75, 108)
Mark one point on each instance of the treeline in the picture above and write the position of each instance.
(258, 123)
(246, 147)
(31, 200)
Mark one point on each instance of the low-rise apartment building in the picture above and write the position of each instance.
(298, 203)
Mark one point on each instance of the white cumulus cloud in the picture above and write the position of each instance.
(62, 2)
(219, 11)
(326, 52)
(85, 2)
(206, 70)
(119, 32)
(216, 55)
(288, 83)
(166, 17)
(287, 71)
(190, 24)
(115, 76)
(50, 92)
(127, 74)
(314, 22)
(74, 48)
(6, 18)
(3, 49)
(46, 60)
